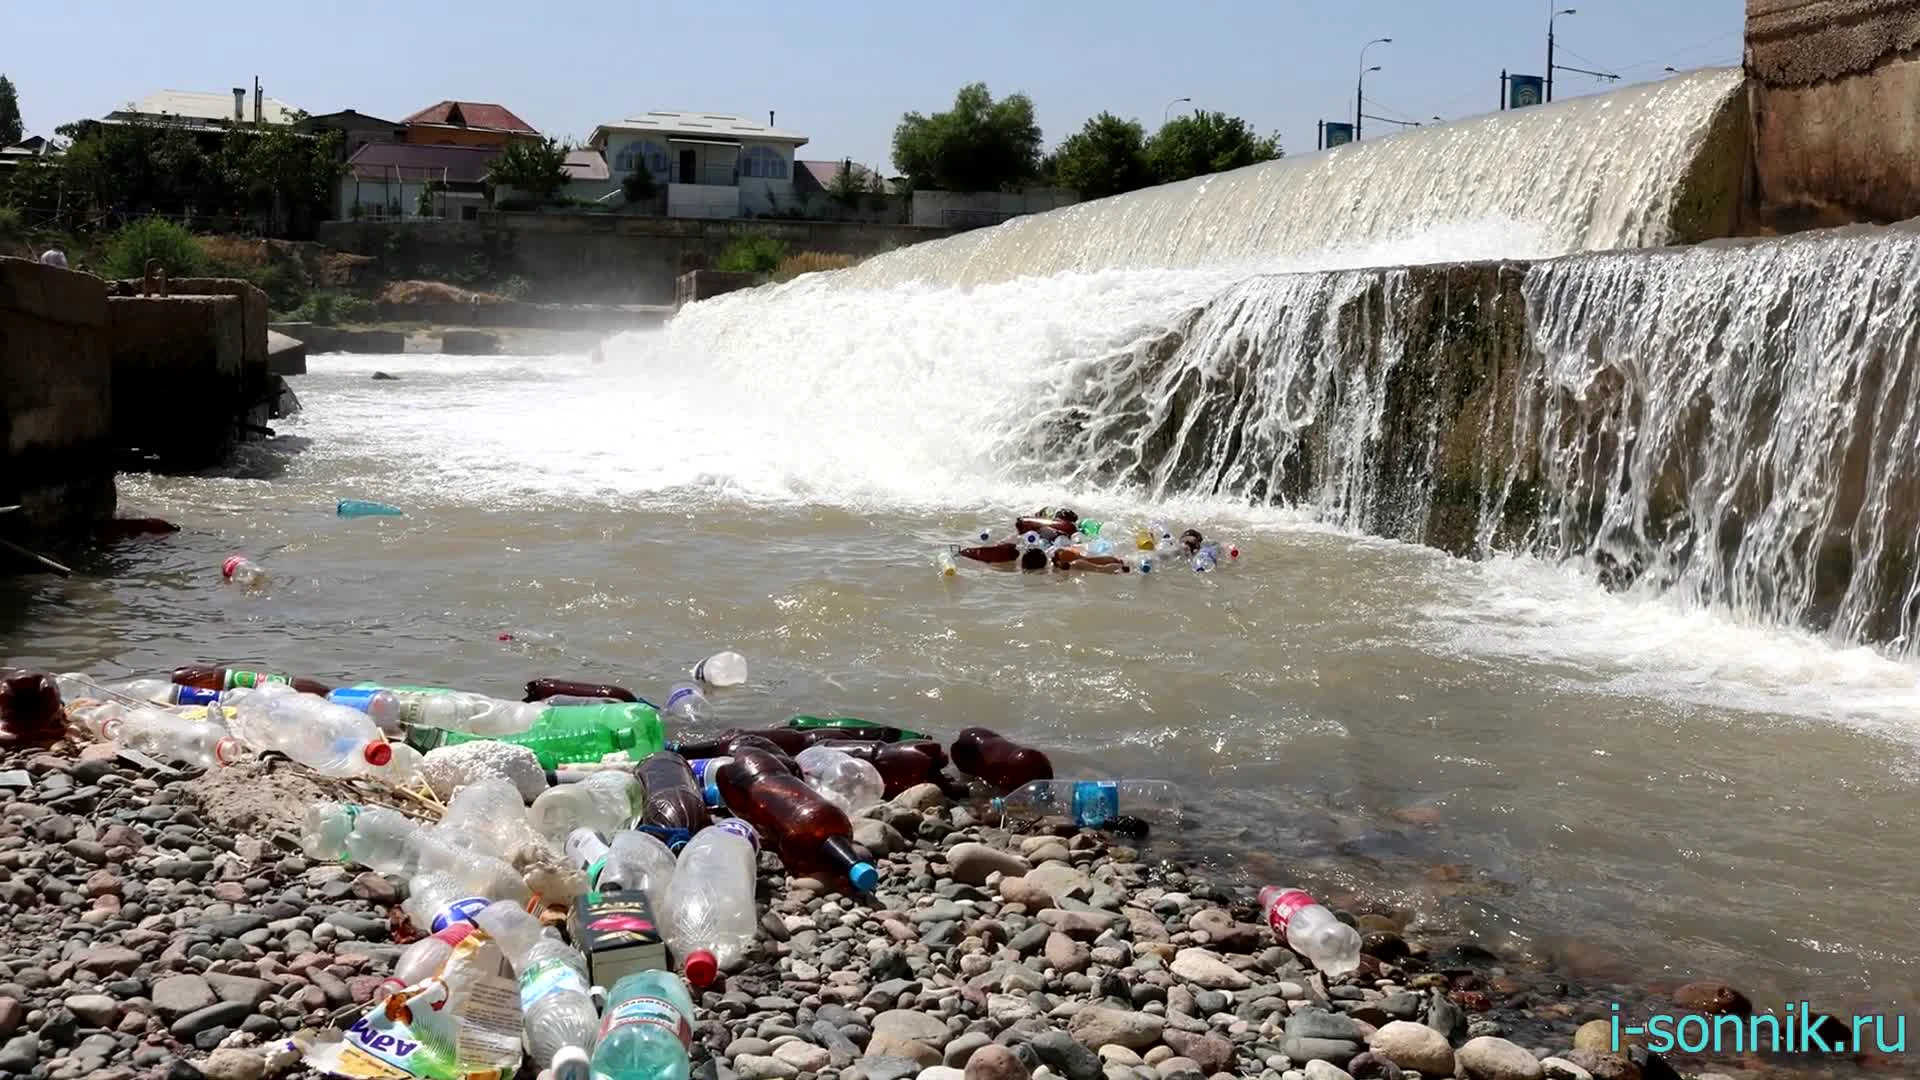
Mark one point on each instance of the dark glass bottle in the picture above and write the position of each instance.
(30, 709)
(999, 762)
(202, 677)
(811, 834)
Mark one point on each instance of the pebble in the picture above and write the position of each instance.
(229, 1064)
(1066, 1055)
(1414, 1046)
(177, 995)
(763, 1067)
(995, 1062)
(1321, 1070)
(1204, 968)
(803, 1056)
(1489, 1058)
(95, 1010)
(1096, 1025)
(973, 863)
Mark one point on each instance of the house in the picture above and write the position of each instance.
(386, 180)
(711, 165)
(203, 111)
(588, 178)
(466, 123)
(817, 177)
(33, 146)
(356, 129)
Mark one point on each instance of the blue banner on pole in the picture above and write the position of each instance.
(1338, 134)
(1525, 90)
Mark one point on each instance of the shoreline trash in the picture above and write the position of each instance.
(724, 668)
(1308, 928)
(244, 572)
(358, 508)
(997, 761)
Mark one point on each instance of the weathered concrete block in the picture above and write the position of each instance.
(180, 376)
(56, 450)
(285, 355)
(468, 343)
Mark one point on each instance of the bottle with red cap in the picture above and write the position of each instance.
(710, 919)
(674, 809)
(423, 958)
(202, 677)
(1311, 930)
(542, 689)
(997, 761)
(327, 738)
(811, 834)
(902, 765)
(244, 572)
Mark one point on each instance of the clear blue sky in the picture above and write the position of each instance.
(844, 73)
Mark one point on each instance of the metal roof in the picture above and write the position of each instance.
(482, 115)
(696, 124)
(196, 105)
(453, 164)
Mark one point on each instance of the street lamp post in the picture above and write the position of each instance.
(1550, 18)
(1168, 111)
(1360, 86)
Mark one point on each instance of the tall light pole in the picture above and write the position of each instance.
(1550, 18)
(1168, 111)
(1360, 86)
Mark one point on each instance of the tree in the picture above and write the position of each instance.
(288, 175)
(1206, 142)
(538, 169)
(978, 145)
(639, 185)
(848, 184)
(10, 130)
(1106, 157)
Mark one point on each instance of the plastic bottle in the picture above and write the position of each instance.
(582, 733)
(330, 739)
(706, 776)
(424, 957)
(1092, 804)
(1205, 561)
(470, 714)
(325, 828)
(850, 728)
(709, 918)
(556, 1003)
(1143, 539)
(403, 768)
(673, 806)
(724, 668)
(173, 738)
(647, 1032)
(1001, 763)
(355, 508)
(559, 700)
(384, 840)
(490, 816)
(381, 704)
(632, 861)
(983, 535)
(541, 689)
(785, 740)
(437, 899)
(1144, 564)
(219, 678)
(901, 765)
(603, 802)
(162, 692)
(740, 828)
(687, 704)
(943, 564)
(810, 833)
(1311, 930)
(848, 783)
(244, 572)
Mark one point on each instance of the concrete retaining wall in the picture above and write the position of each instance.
(1835, 98)
(56, 446)
(698, 285)
(180, 376)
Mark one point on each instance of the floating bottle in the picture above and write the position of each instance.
(851, 728)
(556, 1003)
(674, 807)
(787, 741)
(357, 508)
(563, 735)
(1095, 804)
(811, 834)
(944, 565)
(687, 704)
(244, 572)
(1205, 560)
(724, 668)
(541, 689)
(218, 678)
(173, 738)
(1311, 930)
(647, 1032)
(327, 738)
(847, 782)
(901, 765)
(999, 762)
(709, 917)
(603, 802)
(1144, 564)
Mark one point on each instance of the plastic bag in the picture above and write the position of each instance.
(462, 1023)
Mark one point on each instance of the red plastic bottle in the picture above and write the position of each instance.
(1001, 763)
(542, 689)
(30, 709)
(810, 833)
(901, 765)
(202, 677)
(674, 809)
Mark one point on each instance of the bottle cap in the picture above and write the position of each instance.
(701, 968)
(863, 876)
(227, 568)
(377, 754)
(226, 751)
(571, 1063)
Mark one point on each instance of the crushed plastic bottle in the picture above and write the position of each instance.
(1311, 930)
(849, 784)
(687, 704)
(490, 816)
(724, 668)
(244, 572)
(173, 738)
(647, 1032)
(424, 957)
(556, 1003)
(709, 918)
(325, 828)
(632, 861)
(327, 738)
(603, 802)
(1094, 804)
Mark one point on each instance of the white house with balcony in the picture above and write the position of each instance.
(711, 165)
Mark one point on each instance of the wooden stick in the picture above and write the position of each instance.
(49, 564)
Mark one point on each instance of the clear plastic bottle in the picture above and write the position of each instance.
(325, 828)
(1311, 930)
(1205, 560)
(647, 1031)
(437, 899)
(471, 714)
(1094, 803)
(424, 957)
(709, 919)
(162, 692)
(173, 738)
(403, 768)
(983, 535)
(724, 668)
(244, 572)
(687, 704)
(847, 783)
(637, 860)
(1144, 564)
(603, 802)
(381, 704)
(384, 840)
(556, 1003)
(576, 699)
(327, 738)
(944, 564)
(740, 828)
(490, 816)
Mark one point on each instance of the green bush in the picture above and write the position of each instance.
(153, 238)
(12, 226)
(328, 307)
(752, 253)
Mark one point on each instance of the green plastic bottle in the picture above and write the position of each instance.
(1090, 529)
(571, 734)
(815, 723)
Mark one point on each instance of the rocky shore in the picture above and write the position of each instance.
(161, 925)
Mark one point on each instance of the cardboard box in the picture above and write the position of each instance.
(618, 934)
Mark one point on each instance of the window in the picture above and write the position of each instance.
(469, 213)
(639, 153)
(763, 162)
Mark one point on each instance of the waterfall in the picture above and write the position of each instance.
(1581, 174)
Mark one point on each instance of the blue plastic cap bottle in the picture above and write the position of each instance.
(863, 876)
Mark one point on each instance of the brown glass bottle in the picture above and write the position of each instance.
(901, 765)
(1001, 763)
(787, 740)
(811, 834)
(202, 677)
(30, 709)
(674, 806)
(542, 689)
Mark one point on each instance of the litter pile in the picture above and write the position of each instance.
(1063, 541)
(569, 892)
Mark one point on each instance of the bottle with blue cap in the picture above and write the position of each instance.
(811, 835)
(1095, 804)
